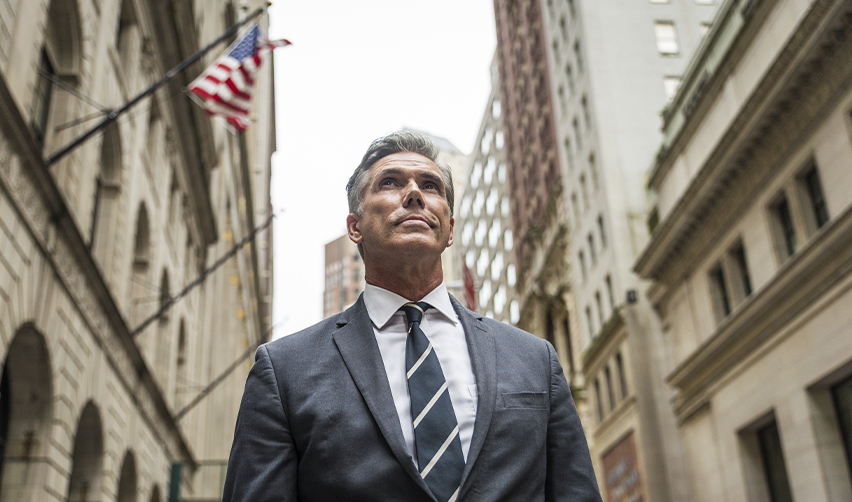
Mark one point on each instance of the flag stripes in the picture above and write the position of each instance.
(226, 87)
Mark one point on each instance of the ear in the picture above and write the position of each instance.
(452, 227)
(352, 222)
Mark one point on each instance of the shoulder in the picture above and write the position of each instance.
(504, 334)
(313, 340)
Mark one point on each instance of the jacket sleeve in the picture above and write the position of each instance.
(263, 462)
(570, 476)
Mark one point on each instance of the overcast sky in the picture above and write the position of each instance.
(356, 71)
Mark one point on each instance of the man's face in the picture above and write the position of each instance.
(405, 209)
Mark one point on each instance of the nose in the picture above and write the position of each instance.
(413, 195)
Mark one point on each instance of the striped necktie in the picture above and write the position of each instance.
(436, 430)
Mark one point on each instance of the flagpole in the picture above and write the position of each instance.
(113, 115)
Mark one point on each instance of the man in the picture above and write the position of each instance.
(406, 395)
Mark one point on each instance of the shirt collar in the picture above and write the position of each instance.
(383, 304)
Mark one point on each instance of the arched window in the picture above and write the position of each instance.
(140, 287)
(87, 457)
(102, 236)
(155, 494)
(127, 479)
(26, 413)
(61, 56)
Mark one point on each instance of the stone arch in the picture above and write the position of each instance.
(140, 284)
(102, 237)
(127, 481)
(87, 457)
(27, 412)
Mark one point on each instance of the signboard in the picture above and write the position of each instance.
(621, 472)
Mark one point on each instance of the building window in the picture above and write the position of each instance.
(126, 32)
(609, 390)
(774, 467)
(582, 257)
(576, 205)
(592, 252)
(599, 305)
(842, 394)
(563, 27)
(590, 320)
(598, 398)
(578, 56)
(561, 92)
(609, 292)
(622, 378)
(584, 103)
(556, 51)
(602, 231)
(670, 85)
(568, 155)
(818, 212)
(719, 289)
(742, 280)
(666, 38)
(572, 8)
(569, 73)
(584, 189)
(593, 170)
(785, 231)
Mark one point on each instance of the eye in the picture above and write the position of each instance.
(387, 182)
(430, 186)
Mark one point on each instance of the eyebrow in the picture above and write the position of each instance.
(394, 171)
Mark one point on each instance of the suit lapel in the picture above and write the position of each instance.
(357, 344)
(483, 357)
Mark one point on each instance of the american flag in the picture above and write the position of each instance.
(227, 85)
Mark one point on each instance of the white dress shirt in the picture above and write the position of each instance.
(444, 330)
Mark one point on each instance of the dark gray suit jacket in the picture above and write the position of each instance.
(318, 422)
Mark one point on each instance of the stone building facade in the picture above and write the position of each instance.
(97, 242)
(752, 251)
(484, 224)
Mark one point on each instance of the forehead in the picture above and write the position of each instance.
(405, 161)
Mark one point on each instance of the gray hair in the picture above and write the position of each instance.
(396, 142)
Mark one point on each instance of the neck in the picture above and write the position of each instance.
(411, 281)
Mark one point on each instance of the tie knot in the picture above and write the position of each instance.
(414, 311)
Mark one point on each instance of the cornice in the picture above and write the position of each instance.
(29, 185)
(811, 71)
(824, 262)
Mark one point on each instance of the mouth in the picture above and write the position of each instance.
(416, 219)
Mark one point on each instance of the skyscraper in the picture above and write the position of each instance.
(583, 84)
(484, 224)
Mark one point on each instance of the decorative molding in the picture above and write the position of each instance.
(823, 263)
(758, 140)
